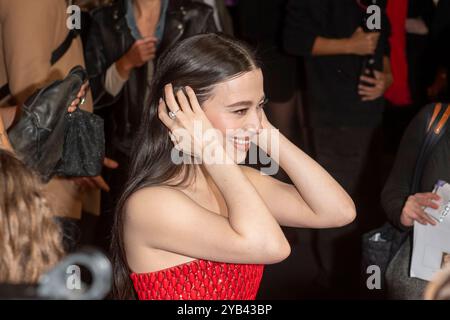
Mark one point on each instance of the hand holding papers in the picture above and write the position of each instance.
(431, 247)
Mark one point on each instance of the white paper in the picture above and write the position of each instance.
(431, 244)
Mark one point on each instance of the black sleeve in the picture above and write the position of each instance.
(304, 21)
(398, 186)
(97, 63)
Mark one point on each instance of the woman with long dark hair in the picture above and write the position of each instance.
(123, 43)
(204, 229)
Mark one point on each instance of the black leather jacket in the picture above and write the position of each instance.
(108, 39)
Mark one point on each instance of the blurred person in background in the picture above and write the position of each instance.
(88, 5)
(222, 17)
(439, 90)
(32, 34)
(403, 208)
(415, 60)
(30, 238)
(261, 24)
(345, 107)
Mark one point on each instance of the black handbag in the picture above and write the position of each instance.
(52, 141)
(83, 150)
(379, 246)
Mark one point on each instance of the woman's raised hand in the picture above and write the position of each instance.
(268, 136)
(190, 129)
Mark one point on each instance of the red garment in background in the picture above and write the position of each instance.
(398, 93)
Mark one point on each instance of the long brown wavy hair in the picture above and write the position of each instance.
(200, 62)
(30, 240)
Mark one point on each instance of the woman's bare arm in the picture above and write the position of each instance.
(315, 200)
(166, 219)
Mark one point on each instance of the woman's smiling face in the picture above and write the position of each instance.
(235, 109)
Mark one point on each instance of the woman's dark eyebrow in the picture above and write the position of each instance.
(240, 104)
(246, 103)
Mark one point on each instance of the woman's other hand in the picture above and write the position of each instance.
(268, 135)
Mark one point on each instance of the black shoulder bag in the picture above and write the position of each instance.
(51, 140)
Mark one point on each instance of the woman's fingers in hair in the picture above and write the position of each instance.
(163, 115)
(193, 99)
(183, 102)
(171, 101)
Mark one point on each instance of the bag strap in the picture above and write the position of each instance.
(435, 130)
(56, 55)
(4, 91)
(63, 47)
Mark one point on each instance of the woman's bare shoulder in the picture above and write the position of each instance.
(155, 196)
(155, 201)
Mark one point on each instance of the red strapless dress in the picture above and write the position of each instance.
(200, 280)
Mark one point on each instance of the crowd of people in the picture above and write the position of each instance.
(341, 107)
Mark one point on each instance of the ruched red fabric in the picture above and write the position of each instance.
(200, 280)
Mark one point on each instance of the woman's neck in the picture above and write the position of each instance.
(201, 181)
(201, 176)
(144, 8)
